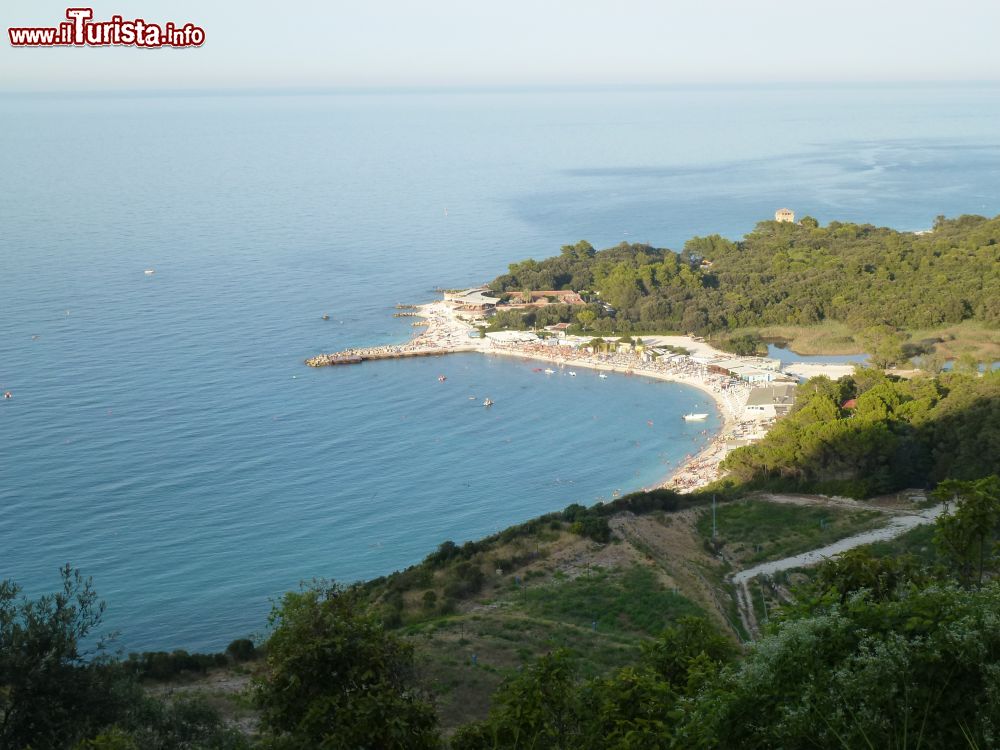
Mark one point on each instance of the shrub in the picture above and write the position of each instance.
(467, 579)
(242, 649)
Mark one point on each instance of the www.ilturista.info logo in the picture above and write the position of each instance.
(80, 30)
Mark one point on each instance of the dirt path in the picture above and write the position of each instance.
(894, 528)
(676, 549)
(831, 501)
(900, 523)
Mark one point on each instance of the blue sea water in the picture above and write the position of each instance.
(164, 434)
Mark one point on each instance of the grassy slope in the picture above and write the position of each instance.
(657, 568)
(602, 617)
(969, 337)
(918, 542)
(755, 531)
(546, 588)
(542, 590)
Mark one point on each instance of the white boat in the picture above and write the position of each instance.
(488, 402)
(149, 271)
(572, 374)
(549, 372)
(603, 376)
(695, 417)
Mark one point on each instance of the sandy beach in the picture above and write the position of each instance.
(697, 470)
(447, 332)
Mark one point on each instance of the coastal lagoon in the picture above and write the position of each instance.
(786, 356)
(164, 434)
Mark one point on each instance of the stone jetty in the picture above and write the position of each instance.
(327, 360)
(357, 356)
(441, 332)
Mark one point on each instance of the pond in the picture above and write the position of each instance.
(787, 356)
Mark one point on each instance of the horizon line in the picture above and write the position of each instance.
(226, 90)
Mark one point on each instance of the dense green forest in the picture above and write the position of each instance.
(898, 433)
(779, 274)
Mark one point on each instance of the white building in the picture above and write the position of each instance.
(747, 370)
(770, 402)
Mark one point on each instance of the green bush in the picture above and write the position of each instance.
(466, 579)
(336, 679)
(242, 649)
(161, 665)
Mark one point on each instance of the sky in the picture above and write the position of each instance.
(311, 44)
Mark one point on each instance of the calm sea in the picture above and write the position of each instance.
(164, 435)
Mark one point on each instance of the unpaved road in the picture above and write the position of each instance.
(895, 527)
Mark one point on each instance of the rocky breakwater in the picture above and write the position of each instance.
(337, 358)
(442, 333)
(357, 356)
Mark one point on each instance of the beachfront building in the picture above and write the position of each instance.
(770, 402)
(749, 371)
(543, 298)
(784, 215)
(765, 363)
(473, 300)
(559, 329)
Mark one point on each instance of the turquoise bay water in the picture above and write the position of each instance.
(164, 434)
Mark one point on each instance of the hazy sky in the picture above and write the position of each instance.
(335, 43)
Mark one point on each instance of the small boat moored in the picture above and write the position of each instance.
(602, 376)
(441, 378)
(488, 401)
(149, 271)
(695, 417)
(8, 395)
(549, 371)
